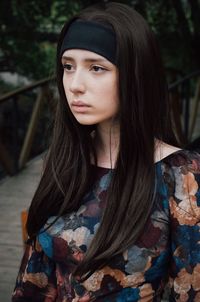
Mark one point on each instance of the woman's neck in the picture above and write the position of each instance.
(107, 144)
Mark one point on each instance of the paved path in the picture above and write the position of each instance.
(15, 195)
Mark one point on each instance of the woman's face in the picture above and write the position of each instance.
(91, 86)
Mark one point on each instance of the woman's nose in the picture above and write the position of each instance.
(77, 82)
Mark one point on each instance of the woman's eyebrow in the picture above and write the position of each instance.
(87, 60)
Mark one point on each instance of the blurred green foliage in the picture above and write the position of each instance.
(29, 32)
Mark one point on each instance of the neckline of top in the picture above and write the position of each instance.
(156, 163)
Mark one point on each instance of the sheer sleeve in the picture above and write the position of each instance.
(185, 231)
(36, 280)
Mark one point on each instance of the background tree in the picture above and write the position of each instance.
(29, 31)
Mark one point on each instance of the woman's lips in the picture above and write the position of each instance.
(79, 106)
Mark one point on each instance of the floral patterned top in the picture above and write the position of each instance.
(169, 248)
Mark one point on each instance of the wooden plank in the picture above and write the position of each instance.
(18, 91)
(15, 195)
(6, 160)
(28, 141)
(5, 292)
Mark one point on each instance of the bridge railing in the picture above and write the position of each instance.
(14, 158)
(185, 103)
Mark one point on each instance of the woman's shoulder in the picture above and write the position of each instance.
(186, 160)
(163, 150)
(180, 171)
(176, 157)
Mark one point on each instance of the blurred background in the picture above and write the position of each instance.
(28, 36)
(29, 32)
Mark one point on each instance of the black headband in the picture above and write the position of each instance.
(91, 36)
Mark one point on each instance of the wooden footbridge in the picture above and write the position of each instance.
(17, 188)
(15, 196)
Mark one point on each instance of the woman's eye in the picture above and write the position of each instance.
(68, 67)
(98, 68)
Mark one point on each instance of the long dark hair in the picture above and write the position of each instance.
(143, 116)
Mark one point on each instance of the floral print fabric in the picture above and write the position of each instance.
(168, 249)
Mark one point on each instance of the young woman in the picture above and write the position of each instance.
(116, 214)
